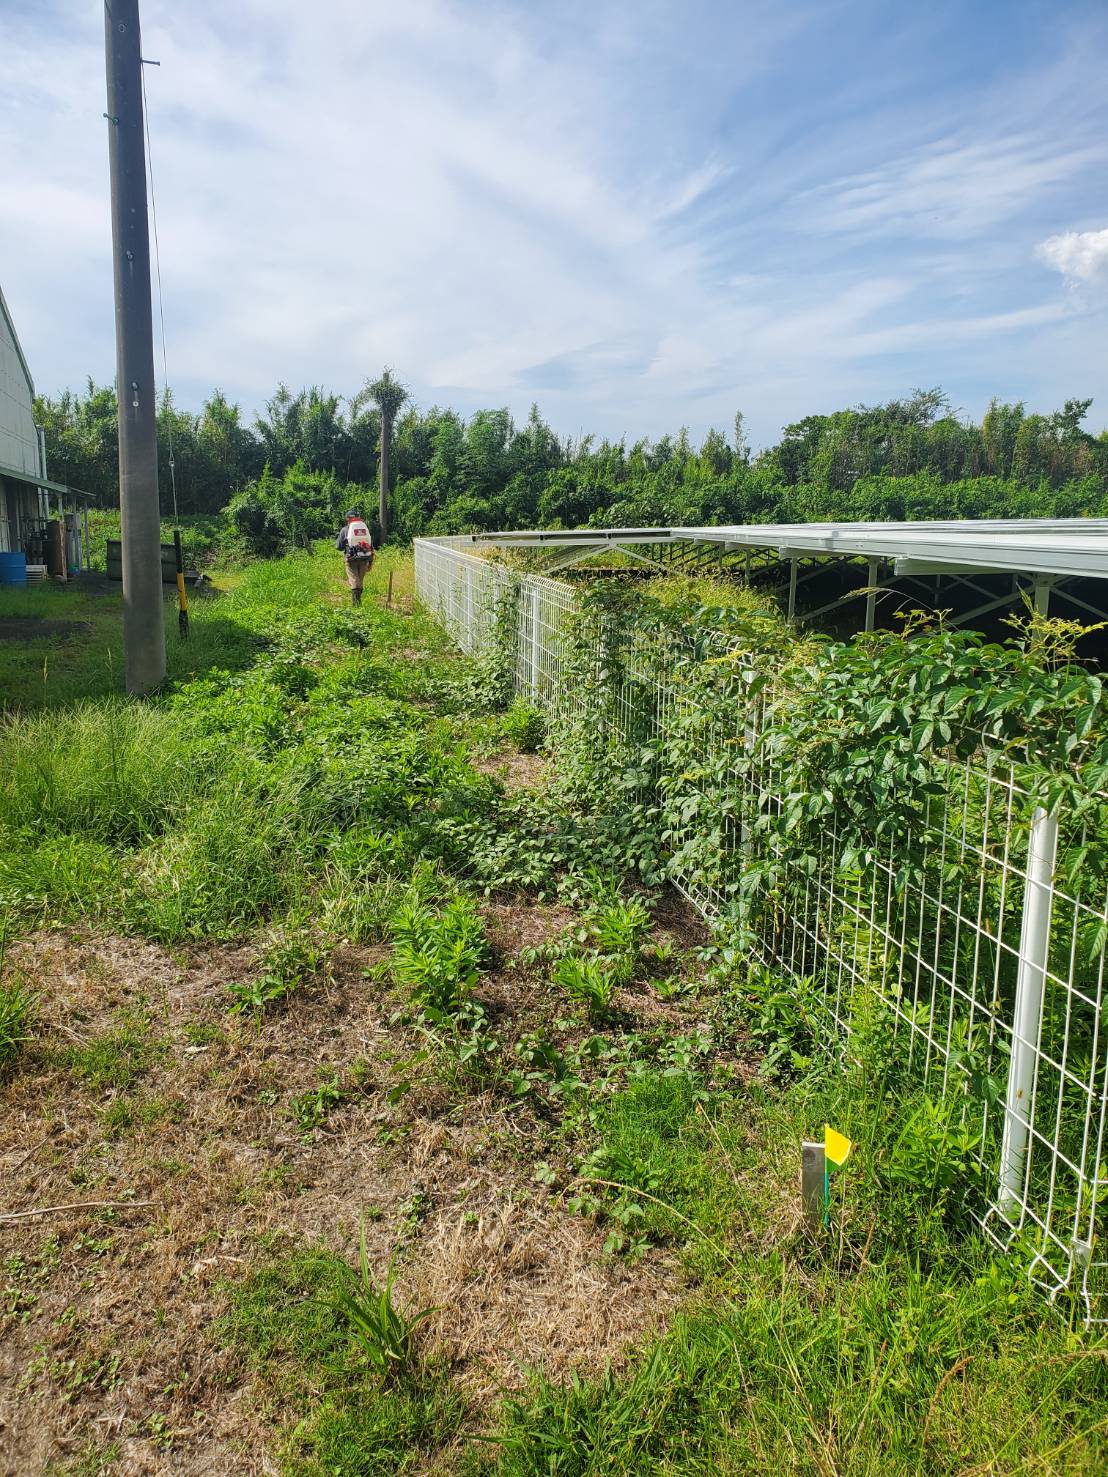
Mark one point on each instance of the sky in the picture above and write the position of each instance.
(641, 215)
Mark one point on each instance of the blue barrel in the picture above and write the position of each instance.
(13, 569)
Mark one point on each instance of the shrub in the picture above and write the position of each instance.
(275, 514)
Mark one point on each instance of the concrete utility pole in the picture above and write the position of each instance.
(143, 609)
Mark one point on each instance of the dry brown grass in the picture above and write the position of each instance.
(520, 1287)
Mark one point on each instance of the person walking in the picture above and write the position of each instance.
(357, 547)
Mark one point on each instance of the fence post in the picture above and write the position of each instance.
(469, 608)
(536, 643)
(1027, 1015)
(871, 596)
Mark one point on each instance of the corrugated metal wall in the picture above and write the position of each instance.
(18, 436)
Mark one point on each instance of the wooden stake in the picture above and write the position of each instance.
(388, 597)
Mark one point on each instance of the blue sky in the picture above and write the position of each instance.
(642, 215)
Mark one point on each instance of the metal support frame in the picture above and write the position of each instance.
(792, 588)
(568, 559)
(989, 605)
(692, 552)
(1060, 589)
(651, 563)
(582, 556)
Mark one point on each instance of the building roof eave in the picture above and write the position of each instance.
(44, 482)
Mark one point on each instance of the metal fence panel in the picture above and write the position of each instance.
(992, 971)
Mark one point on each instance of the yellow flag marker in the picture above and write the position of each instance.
(835, 1146)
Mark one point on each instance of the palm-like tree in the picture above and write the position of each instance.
(388, 395)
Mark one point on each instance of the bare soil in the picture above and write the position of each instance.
(37, 628)
(516, 770)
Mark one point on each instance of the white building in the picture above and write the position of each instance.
(28, 499)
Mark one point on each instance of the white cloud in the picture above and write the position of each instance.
(953, 188)
(1080, 256)
(505, 201)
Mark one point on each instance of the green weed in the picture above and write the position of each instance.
(345, 1415)
(385, 1334)
(620, 928)
(287, 963)
(438, 955)
(588, 980)
(116, 1059)
(525, 725)
(310, 1110)
(17, 1005)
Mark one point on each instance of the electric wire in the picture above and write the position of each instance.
(182, 598)
(161, 302)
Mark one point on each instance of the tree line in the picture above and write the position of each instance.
(289, 473)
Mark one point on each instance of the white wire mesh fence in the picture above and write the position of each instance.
(993, 971)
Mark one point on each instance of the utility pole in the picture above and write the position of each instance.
(140, 517)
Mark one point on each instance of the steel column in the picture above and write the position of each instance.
(871, 595)
(1027, 1015)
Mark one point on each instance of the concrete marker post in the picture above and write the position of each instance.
(813, 1183)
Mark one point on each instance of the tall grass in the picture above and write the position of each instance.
(226, 802)
(111, 771)
(17, 1004)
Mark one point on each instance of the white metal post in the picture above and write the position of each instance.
(536, 643)
(792, 588)
(1043, 584)
(871, 597)
(1027, 1017)
(469, 609)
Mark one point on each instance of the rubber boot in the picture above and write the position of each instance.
(355, 597)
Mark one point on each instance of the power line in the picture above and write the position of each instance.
(158, 274)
